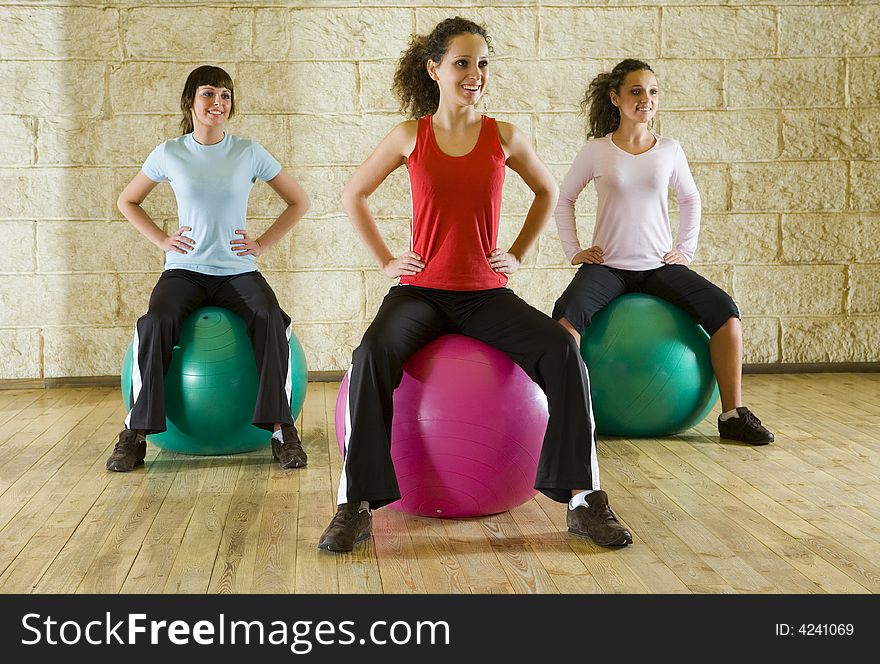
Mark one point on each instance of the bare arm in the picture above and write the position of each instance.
(525, 162)
(129, 204)
(298, 203)
(386, 158)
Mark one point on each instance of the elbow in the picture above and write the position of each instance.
(122, 204)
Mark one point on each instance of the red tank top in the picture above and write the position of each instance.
(456, 208)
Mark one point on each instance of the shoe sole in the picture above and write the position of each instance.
(623, 540)
(755, 443)
(329, 546)
(114, 469)
(293, 465)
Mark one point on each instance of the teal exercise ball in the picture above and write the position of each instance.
(650, 369)
(211, 386)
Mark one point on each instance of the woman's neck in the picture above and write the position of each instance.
(454, 118)
(208, 135)
(632, 133)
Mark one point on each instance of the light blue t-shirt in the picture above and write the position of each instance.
(212, 184)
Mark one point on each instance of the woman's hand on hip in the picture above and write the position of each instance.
(408, 263)
(675, 257)
(245, 245)
(503, 262)
(178, 242)
(594, 256)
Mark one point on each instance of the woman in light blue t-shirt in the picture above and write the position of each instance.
(210, 260)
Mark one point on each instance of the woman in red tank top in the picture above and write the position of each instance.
(452, 280)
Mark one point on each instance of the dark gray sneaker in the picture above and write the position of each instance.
(129, 451)
(746, 428)
(598, 522)
(349, 526)
(290, 453)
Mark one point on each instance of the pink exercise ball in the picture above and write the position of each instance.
(467, 430)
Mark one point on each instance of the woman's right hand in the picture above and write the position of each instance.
(178, 241)
(408, 263)
(593, 255)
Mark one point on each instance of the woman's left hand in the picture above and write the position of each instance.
(245, 246)
(675, 257)
(503, 262)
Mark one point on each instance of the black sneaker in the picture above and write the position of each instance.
(746, 428)
(598, 522)
(129, 451)
(349, 526)
(290, 453)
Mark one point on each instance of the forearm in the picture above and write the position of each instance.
(362, 219)
(282, 225)
(537, 217)
(138, 218)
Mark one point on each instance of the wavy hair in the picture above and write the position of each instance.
(603, 117)
(418, 93)
(204, 75)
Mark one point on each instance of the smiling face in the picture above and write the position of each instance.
(211, 106)
(638, 97)
(463, 71)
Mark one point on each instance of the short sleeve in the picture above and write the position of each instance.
(266, 166)
(154, 166)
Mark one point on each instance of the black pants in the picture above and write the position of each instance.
(594, 286)
(176, 295)
(409, 318)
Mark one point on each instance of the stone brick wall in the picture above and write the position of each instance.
(774, 101)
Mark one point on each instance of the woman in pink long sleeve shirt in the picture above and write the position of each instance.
(632, 248)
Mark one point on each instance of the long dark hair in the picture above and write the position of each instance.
(603, 117)
(418, 93)
(204, 75)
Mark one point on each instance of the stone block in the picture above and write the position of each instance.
(738, 238)
(864, 192)
(328, 346)
(823, 30)
(337, 139)
(85, 351)
(306, 87)
(20, 354)
(321, 296)
(788, 186)
(598, 32)
(540, 86)
(18, 140)
(702, 32)
(198, 34)
(56, 193)
(52, 88)
(39, 300)
(689, 84)
(864, 81)
(95, 246)
(31, 33)
(18, 250)
(830, 238)
(513, 32)
(731, 135)
(760, 340)
(375, 87)
(831, 339)
(775, 83)
(155, 87)
(863, 288)
(331, 33)
(789, 290)
(116, 140)
(541, 287)
(333, 243)
(830, 134)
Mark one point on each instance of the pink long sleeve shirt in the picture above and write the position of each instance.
(632, 220)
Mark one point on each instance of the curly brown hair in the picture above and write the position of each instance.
(204, 75)
(603, 117)
(418, 93)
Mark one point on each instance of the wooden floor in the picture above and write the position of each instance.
(799, 516)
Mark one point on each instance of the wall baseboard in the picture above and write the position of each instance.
(336, 376)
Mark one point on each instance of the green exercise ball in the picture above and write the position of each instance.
(650, 370)
(211, 386)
